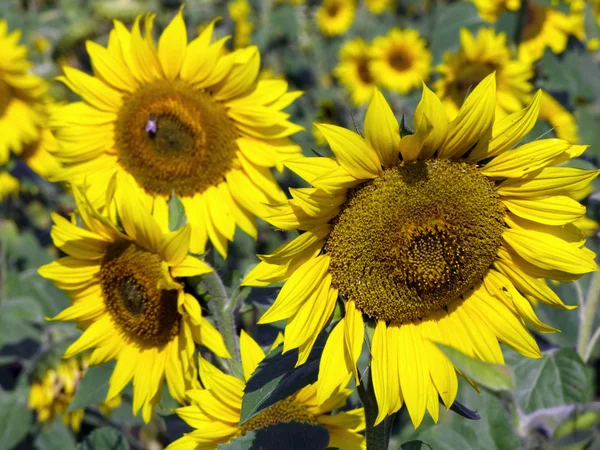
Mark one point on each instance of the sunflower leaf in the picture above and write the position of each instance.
(415, 445)
(105, 438)
(93, 387)
(494, 377)
(291, 435)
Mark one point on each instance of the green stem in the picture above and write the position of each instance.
(587, 315)
(221, 308)
(378, 436)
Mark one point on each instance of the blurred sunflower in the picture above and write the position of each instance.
(9, 185)
(561, 120)
(401, 60)
(354, 70)
(240, 10)
(184, 118)
(52, 394)
(335, 17)
(21, 96)
(477, 57)
(214, 412)
(38, 154)
(437, 236)
(490, 10)
(549, 27)
(377, 7)
(127, 292)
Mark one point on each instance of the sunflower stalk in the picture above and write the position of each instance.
(585, 341)
(222, 309)
(378, 436)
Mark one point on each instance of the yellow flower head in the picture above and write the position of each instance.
(377, 7)
(477, 57)
(188, 118)
(335, 17)
(127, 292)
(38, 154)
(401, 60)
(490, 10)
(561, 120)
(21, 96)
(354, 70)
(548, 27)
(9, 185)
(214, 412)
(440, 236)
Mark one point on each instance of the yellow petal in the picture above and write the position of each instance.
(382, 130)
(251, 354)
(190, 267)
(430, 113)
(354, 332)
(414, 373)
(548, 181)
(555, 210)
(91, 89)
(379, 370)
(109, 68)
(172, 46)
(212, 339)
(174, 246)
(333, 367)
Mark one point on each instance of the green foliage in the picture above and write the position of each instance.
(93, 387)
(15, 417)
(105, 439)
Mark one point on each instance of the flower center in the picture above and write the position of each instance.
(363, 71)
(284, 411)
(143, 311)
(5, 97)
(469, 76)
(170, 136)
(416, 238)
(333, 9)
(399, 60)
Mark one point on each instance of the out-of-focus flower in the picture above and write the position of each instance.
(51, 395)
(377, 7)
(490, 10)
(354, 70)
(561, 120)
(178, 117)
(214, 412)
(477, 57)
(548, 27)
(127, 293)
(240, 10)
(436, 236)
(335, 17)
(22, 111)
(401, 60)
(9, 185)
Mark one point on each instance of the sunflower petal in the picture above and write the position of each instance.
(172, 46)
(382, 130)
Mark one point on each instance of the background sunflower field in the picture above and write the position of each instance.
(337, 52)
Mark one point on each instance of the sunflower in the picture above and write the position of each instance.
(9, 185)
(53, 392)
(184, 118)
(335, 17)
(214, 412)
(562, 121)
(377, 7)
(477, 57)
(490, 10)
(239, 11)
(354, 71)
(21, 96)
(440, 236)
(549, 27)
(400, 60)
(127, 292)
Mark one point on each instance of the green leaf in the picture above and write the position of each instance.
(446, 437)
(415, 445)
(15, 417)
(277, 378)
(176, 213)
(105, 438)
(559, 378)
(494, 377)
(93, 387)
(57, 437)
(289, 436)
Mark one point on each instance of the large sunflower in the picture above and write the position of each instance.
(21, 96)
(477, 57)
(549, 27)
(127, 292)
(354, 71)
(214, 412)
(335, 17)
(440, 236)
(401, 60)
(184, 118)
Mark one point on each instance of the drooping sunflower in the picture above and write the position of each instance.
(401, 60)
(21, 96)
(183, 118)
(440, 236)
(562, 121)
(377, 7)
(477, 57)
(127, 292)
(51, 395)
(335, 17)
(354, 71)
(490, 10)
(214, 412)
(549, 27)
